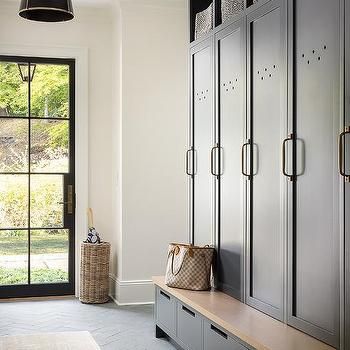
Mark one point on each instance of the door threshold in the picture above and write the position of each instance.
(44, 298)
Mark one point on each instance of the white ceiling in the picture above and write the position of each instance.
(100, 3)
(92, 2)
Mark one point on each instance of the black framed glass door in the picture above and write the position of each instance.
(37, 176)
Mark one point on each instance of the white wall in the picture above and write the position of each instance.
(154, 122)
(137, 126)
(92, 30)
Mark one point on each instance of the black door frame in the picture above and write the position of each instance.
(50, 289)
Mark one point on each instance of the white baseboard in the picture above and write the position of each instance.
(135, 292)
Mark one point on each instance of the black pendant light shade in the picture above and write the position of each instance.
(47, 10)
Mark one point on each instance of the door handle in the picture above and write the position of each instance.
(244, 173)
(187, 162)
(69, 202)
(212, 152)
(341, 154)
(284, 144)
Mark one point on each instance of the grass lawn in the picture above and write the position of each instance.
(42, 242)
(20, 276)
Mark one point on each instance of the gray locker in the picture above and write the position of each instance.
(347, 171)
(189, 327)
(269, 161)
(267, 119)
(230, 83)
(315, 282)
(201, 140)
(166, 310)
(216, 338)
(347, 239)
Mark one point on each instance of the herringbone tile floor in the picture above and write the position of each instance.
(113, 327)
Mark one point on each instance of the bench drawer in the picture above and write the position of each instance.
(166, 310)
(216, 338)
(189, 327)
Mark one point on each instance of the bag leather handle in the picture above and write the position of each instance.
(172, 262)
(190, 252)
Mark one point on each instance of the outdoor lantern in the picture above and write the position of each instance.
(24, 71)
(47, 10)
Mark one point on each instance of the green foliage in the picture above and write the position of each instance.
(55, 134)
(49, 91)
(13, 92)
(13, 201)
(45, 193)
(59, 136)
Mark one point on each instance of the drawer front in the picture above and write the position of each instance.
(166, 310)
(216, 338)
(189, 327)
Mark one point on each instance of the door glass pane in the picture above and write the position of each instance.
(49, 146)
(34, 160)
(46, 193)
(49, 256)
(13, 201)
(13, 145)
(13, 257)
(13, 91)
(50, 91)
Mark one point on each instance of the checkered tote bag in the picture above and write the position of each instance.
(189, 267)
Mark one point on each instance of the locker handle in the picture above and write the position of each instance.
(187, 162)
(218, 331)
(194, 168)
(165, 295)
(248, 143)
(212, 157)
(284, 144)
(184, 308)
(341, 154)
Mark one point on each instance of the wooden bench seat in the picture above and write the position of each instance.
(253, 327)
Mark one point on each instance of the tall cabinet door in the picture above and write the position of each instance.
(315, 275)
(230, 82)
(267, 127)
(201, 140)
(347, 172)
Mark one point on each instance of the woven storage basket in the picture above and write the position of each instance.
(94, 273)
(231, 8)
(204, 21)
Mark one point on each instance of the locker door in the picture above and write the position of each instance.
(201, 140)
(230, 50)
(315, 290)
(347, 171)
(267, 118)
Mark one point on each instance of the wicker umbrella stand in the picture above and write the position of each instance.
(94, 273)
